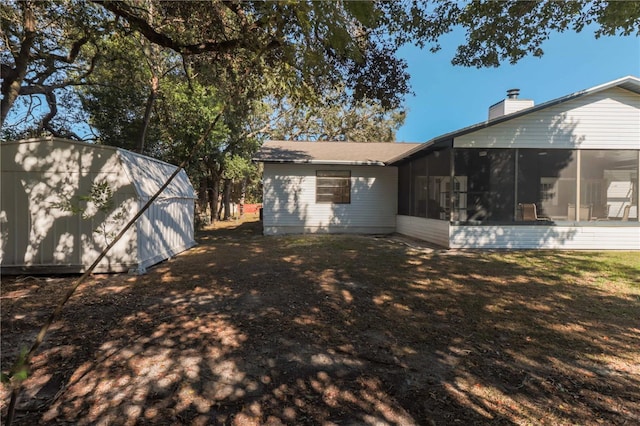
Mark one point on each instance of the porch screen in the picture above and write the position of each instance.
(404, 189)
(608, 185)
(419, 187)
(547, 178)
(333, 186)
(424, 186)
(439, 184)
(485, 184)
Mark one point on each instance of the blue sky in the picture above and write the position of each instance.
(448, 98)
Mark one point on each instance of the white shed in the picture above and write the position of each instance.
(63, 201)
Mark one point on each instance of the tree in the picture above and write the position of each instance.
(47, 47)
(185, 110)
(510, 30)
(315, 45)
(120, 105)
(333, 118)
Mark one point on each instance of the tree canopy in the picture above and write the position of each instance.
(307, 47)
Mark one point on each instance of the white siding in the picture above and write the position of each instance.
(609, 119)
(508, 106)
(37, 235)
(164, 230)
(289, 202)
(432, 230)
(600, 237)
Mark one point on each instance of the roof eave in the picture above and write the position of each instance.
(322, 162)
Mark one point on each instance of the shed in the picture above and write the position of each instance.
(63, 201)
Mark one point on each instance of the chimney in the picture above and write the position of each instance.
(509, 105)
(513, 93)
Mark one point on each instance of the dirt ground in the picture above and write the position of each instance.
(332, 330)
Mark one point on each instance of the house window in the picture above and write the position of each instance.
(333, 186)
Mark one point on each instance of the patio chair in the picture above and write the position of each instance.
(528, 212)
(585, 212)
(625, 212)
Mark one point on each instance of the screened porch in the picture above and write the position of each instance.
(485, 186)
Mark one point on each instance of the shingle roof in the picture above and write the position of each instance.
(354, 153)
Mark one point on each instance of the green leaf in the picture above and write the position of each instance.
(364, 11)
(5, 378)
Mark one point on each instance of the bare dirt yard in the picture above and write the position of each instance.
(334, 330)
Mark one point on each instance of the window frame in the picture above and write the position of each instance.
(341, 193)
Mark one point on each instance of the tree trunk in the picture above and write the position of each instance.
(151, 53)
(213, 200)
(13, 77)
(226, 197)
(215, 175)
(243, 193)
(153, 94)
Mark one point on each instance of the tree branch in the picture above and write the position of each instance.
(13, 80)
(163, 40)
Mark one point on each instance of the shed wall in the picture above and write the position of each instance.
(39, 235)
(290, 200)
(38, 178)
(609, 119)
(165, 230)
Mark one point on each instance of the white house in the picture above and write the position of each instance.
(329, 187)
(63, 201)
(562, 174)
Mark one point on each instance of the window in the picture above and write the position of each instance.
(549, 190)
(333, 186)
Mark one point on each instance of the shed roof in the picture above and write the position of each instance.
(351, 153)
(149, 174)
(146, 174)
(629, 83)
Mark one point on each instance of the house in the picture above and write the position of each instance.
(63, 201)
(330, 187)
(562, 174)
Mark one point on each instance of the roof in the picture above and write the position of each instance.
(344, 153)
(629, 83)
(146, 174)
(149, 174)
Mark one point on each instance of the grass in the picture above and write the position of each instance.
(334, 329)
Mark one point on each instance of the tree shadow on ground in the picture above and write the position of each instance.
(245, 329)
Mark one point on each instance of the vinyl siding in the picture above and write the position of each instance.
(600, 237)
(164, 230)
(609, 119)
(289, 202)
(431, 230)
(39, 236)
(36, 234)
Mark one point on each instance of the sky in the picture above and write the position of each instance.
(448, 98)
